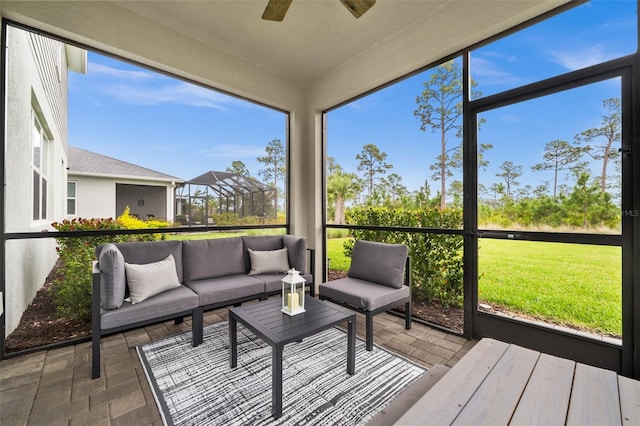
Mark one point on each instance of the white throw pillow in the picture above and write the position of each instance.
(269, 262)
(150, 279)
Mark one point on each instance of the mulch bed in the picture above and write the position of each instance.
(451, 318)
(41, 325)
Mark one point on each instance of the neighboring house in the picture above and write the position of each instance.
(99, 187)
(36, 159)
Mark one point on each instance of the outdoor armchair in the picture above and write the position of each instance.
(379, 279)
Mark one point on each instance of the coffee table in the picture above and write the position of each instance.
(277, 329)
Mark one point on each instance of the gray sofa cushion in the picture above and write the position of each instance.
(362, 294)
(269, 261)
(147, 280)
(259, 243)
(273, 282)
(212, 258)
(153, 251)
(225, 289)
(112, 277)
(170, 302)
(297, 248)
(380, 263)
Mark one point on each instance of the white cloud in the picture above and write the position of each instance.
(510, 118)
(232, 151)
(575, 59)
(140, 87)
(98, 70)
(491, 73)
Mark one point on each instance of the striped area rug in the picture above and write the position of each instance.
(196, 386)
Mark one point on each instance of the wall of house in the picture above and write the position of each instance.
(36, 84)
(96, 197)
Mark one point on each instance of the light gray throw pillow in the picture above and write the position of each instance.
(152, 278)
(112, 278)
(380, 263)
(268, 261)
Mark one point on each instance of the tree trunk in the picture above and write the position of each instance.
(605, 160)
(338, 216)
(443, 166)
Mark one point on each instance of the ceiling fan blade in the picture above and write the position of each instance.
(358, 7)
(276, 9)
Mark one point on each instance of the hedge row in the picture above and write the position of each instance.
(436, 259)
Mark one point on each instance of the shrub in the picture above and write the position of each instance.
(72, 292)
(131, 222)
(436, 259)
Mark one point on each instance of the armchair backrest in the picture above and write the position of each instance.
(381, 263)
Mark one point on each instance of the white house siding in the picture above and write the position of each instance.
(95, 197)
(36, 81)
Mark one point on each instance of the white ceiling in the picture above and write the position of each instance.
(317, 36)
(319, 56)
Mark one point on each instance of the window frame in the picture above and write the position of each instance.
(39, 168)
(73, 198)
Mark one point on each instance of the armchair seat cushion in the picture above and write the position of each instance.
(363, 294)
(170, 302)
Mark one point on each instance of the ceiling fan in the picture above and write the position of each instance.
(277, 9)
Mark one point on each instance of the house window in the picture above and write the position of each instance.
(71, 198)
(39, 165)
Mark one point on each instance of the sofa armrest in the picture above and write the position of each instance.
(95, 299)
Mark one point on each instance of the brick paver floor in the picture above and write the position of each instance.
(54, 387)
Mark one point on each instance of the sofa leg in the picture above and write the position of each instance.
(178, 321)
(407, 315)
(197, 327)
(369, 331)
(95, 356)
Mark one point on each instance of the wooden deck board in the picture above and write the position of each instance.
(594, 399)
(497, 397)
(498, 384)
(442, 403)
(548, 387)
(629, 400)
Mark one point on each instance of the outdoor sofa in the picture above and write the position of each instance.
(142, 283)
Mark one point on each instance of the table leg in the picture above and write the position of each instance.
(233, 342)
(351, 348)
(276, 381)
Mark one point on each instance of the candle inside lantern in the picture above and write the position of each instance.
(294, 303)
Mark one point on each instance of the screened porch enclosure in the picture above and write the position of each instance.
(144, 201)
(213, 194)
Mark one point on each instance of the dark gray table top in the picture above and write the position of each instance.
(276, 327)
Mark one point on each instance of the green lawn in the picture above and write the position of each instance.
(573, 284)
(335, 254)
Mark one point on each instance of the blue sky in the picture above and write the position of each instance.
(165, 124)
(586, 35)
(185, 130)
